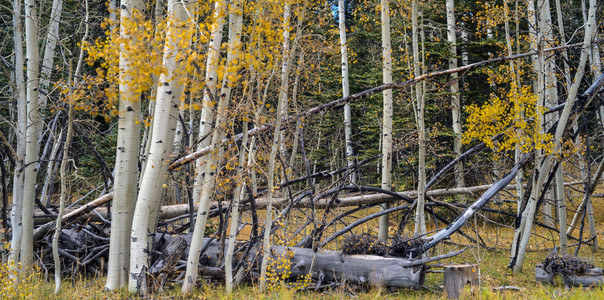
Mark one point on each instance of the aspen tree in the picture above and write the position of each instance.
(387, 115)
(32, 147)
(17, 205)
(420, 219)
(277, 137)
(169, 95)
(550, 91)
(209, 94)
(346, 86)
(211, 166)
(529, 212)
(52, 38)
(455, 97)
(126, 158)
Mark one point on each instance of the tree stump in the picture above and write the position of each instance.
(458, 275)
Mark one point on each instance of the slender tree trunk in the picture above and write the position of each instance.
(238, 195)
(420, 219)
(52, 38)
(550, 88)
(277, 141)
(17, 206)
(169, 96)
(286, 61)
(63, 198)
(345, 87)
(209, 94)
(235, 27)
(455, 97)
(387, 115)
(529, 212)
(126, 161)
(32, 147)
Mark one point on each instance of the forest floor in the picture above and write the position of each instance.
(493, 273)
(492, 265)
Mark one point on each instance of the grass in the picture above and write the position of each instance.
(492, 264)
(493, 273)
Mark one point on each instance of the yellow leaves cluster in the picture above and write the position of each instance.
(515, 115)
(18, 283)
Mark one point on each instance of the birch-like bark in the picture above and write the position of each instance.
(420, 219)
(346, 87)
(550, 89)
(126, 161)
(529, 212)
(560, 197)
(387, 116)
(169, 96)
(207, 189)
(209, 95)
(455, 97)
(532, 21)
(238, 195)
(32, 147)
(62, 199)
(277, 142)
(52, 38)
(17, 206)
(286, 61)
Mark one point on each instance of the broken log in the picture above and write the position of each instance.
(165, 263)
(457, 276)
(593, 277)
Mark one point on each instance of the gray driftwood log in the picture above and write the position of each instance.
(330, 266)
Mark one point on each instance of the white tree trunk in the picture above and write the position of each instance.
(64, 193)
(126, 163)
(169, 96)
(529, 212)
(235, 27)
(209, 94)
(387, 115)
(455, 97)
(420, 219)
(346, 87)
(238, 195)
(17, 206)
(32, 147)
(278, 141)
(550, 88)
(52, 38)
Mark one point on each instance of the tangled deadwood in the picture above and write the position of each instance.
(365, 244)
(563, 264)
(368, 244)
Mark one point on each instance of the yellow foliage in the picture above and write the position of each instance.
(17, 283)
(515, 115)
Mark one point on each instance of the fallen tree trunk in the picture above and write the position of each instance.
(325, 265)
(436, 238)
(172, 211)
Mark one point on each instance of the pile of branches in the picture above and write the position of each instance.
(82, 248)
(368, 244)
(563, 264)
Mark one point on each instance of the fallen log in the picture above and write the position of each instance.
(325, 265)
(593, 277)
(176, 210)
(82, 211)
